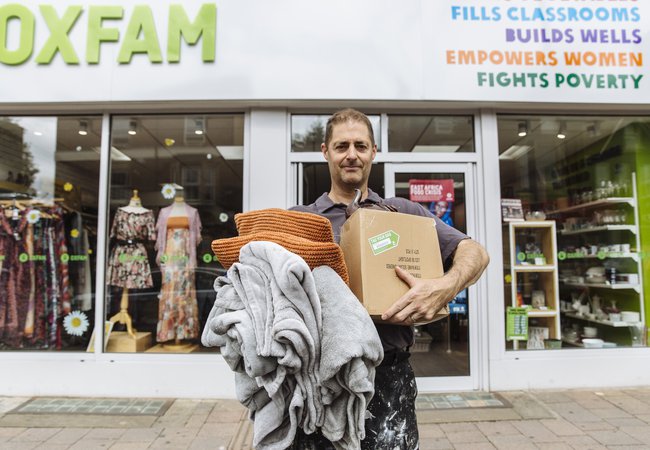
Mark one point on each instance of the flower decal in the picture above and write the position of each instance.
(168, 191)
(169, 142)
(74, 233)
(68, 187)
(223, 217)
(76, 323)
(33, 216)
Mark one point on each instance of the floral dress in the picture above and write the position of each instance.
(128, 265)
(178, 317)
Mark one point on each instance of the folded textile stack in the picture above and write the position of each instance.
(302, 347)
(305, 234)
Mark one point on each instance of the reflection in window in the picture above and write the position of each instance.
(180, 185)
(308, 132)
(584, 175)
(430, 134)
(49, 174)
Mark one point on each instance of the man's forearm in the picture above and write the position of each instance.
(470, 260)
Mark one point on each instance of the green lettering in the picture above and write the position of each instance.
(26, 44)
(141, 21)
(180, 27)
(58, 40)
(97, 33)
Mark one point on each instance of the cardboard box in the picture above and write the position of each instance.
(374, 241)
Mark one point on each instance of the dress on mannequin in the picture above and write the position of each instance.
(179, 232)
(128, 265)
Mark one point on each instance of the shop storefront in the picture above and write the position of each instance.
(132, 134)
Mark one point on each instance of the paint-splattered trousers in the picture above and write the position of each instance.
(391, 424)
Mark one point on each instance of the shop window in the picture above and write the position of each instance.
(430, 134)
(575, 209)
(49, 172)
(185, 184)
(308, 131)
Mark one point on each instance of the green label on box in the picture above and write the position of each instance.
(516, 324)
(383, 242)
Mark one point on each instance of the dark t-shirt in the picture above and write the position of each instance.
(393, 337)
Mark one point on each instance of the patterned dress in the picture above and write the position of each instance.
(128, 265)
(178, 309)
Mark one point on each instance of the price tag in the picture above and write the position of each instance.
(517, 324)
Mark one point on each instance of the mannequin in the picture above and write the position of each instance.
(128, 264)
(179, 230)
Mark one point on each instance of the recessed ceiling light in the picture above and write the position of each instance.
(561, 133)
(83, 128)
(522, 129)
(133, 128)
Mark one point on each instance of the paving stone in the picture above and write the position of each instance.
(216, 429)
(93, 444)
(640, 433)
(224, 416)
(48, 446)
(497, 428)
(631, 405)
(611, 412)
(583, 442)
(36, 434)
(574, 413)
(561, 427)
(119, 445)
(140, 435)
(552, 397)
(11, 431)
(436, 444)
(68, 436)
(178, 433)
(204, 443)
(19, 445)
(104, 433)
(553, 446)
(430, 430)
(474, 446)
(512, 442)
(536, 431)
(614, 437)
(595, 426)
(458, 427)
(626, 422)
(466, 437)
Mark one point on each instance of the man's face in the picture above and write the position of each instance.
(349, 155)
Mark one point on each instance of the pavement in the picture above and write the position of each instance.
(573, 419)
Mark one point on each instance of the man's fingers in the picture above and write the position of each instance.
(402, 303)
(405, 276)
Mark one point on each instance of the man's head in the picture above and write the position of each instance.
(349, 149)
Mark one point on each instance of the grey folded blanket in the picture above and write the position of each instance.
(302, 347)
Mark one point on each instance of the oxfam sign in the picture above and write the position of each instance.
(140, 37)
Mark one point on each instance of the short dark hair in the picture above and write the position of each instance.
(347, 115)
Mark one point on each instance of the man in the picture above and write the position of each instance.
(349, 149)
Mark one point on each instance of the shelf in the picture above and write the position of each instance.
(636, 287)
(609, 323)
(596, 203)
(630, 228)
(534, 268)
(577, 344)
(542, 313)
(632, 255)
(532, 223)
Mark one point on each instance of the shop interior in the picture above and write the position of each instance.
(574, 201)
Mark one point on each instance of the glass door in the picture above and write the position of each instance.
(443, 356)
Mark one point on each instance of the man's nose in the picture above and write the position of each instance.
(351, 152)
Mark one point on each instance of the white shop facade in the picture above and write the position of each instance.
(512, 110)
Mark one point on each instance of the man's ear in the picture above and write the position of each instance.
(323, 149)
(374, 151)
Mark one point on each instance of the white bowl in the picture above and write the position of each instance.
(590, 332)
(593, 343)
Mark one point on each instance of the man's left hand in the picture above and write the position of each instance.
(422, 301)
